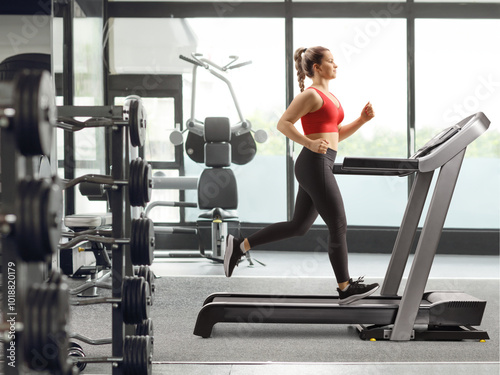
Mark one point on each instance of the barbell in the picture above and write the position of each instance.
(140, 182)
(134, 299)
(142, 241)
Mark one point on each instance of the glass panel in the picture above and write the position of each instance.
(261, 95)
(88, 78)
(456, 75)
(371, 59)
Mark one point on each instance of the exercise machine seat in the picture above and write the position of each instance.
(217, 189)
(88, 220)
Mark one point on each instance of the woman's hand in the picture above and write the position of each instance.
(318, 145)
(367, 113)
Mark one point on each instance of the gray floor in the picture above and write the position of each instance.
(317, 266)
(299, 264)
(287, 268)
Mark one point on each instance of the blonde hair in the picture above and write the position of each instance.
(304, 64)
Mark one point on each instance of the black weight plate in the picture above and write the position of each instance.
(126, 299)
(134, 241)
(141, 300)
(131, 180)
(39, 327)
(195, 147)
(133, 123)
(140, 183)
(146, 349)
(147, 183)
(58, 337)
(36, 228)
(135, 192)
(151, 242)
(52, 207)
(144, 298)
(135, 183)
(141, 239)
(148, 275)
(22, 233)
(22, 105)
(145, 242)
(128, 355)
(47, 112)
(30, 328)
(243, 148)
(145, 328)
(136, 251)
(135, 304)
(137, 123)
(132, 302)
(137, 357)
(35, 113)
(30, 245)
(49, 323)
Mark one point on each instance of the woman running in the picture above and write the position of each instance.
(321, 114)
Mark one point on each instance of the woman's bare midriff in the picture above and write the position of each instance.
(332, 138)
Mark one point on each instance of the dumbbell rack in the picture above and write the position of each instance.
(27, 116)
(126, 184)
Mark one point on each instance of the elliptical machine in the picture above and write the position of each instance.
(217, 144)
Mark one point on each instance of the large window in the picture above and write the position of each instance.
(371, 59)
(259, 88)
(88, 78)
(458, 74)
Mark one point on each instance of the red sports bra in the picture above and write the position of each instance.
(324, 120)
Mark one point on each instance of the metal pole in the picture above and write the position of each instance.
(68, 93)
(117, 200)
(290, 176)
(410, 71)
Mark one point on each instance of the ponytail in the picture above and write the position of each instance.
(304, 64)
(301, 75)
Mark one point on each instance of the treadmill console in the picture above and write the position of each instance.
(443, 136)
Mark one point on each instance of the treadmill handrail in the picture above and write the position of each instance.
(377, 166)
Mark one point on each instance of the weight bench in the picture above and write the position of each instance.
(89, 259)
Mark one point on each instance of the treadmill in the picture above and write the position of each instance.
(433, 315)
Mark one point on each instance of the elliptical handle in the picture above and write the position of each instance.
(191, 61)
(240, 65)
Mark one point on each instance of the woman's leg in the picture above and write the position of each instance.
(314, 173)
(319, 182)
(303, 218)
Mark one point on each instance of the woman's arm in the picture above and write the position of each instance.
(367, 114)
(304, 103)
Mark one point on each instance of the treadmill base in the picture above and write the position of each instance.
(432, 333)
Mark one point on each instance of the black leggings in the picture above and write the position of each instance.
(318, 193)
